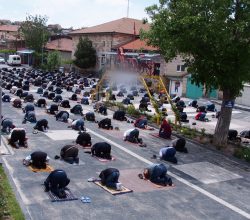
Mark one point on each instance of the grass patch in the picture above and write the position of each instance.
(9, 207)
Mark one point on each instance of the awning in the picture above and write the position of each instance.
(25, 51)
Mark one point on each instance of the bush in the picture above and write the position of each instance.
(53, 60)
(243, 153)
(153, 119)
(85, 55)
(120, 106)
(189, 132)
(132, 111)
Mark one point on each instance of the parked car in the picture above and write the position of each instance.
(2, 60)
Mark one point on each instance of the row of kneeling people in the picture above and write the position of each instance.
(57, 180)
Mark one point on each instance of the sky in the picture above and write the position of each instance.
(74, 13)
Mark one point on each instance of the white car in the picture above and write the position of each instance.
(2, 60)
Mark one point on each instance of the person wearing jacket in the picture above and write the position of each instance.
(56, 182)
(109, 177)
(132, 135)
(105, 124)
(101, 149)
(156, 173)
(84, 139)
(17, 136)
(7, 125)
(165, 130)
(141, 122)
(69, 153)
(38, 159)
(168, 153)
(41, 125)
(179, 145)
(62, 116)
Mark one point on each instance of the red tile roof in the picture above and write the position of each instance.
(138, 44)
(10, 28)
(62, 44)
(123, 25)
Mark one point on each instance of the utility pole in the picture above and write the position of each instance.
(42, 44)
(128, 10)
(1, 111)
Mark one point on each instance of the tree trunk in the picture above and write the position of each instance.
(223, 123)
(205, 92)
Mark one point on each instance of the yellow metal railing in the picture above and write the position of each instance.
(99, 85)
(160, 85)
(154, 102)
(173, 107)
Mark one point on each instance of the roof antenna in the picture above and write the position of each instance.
(128, 10)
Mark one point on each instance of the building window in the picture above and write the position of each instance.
(103, 60)
(104, 43)
(180, 68)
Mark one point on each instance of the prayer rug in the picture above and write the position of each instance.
(104, 160)
(129, 177)
(47, 169)
(69, 196)
(113, 191)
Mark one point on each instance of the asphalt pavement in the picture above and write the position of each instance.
(207, 184)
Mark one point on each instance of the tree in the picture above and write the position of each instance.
(53, 60)
(214, 39)
(85, 54)
(35, 34)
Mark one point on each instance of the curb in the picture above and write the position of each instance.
(235, 106)
(212, 148)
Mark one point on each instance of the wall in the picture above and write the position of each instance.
(244, 99)
(171, 67)
(176, 87)
(65, 55)
(103, 42)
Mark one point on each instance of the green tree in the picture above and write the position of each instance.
(53, 60)
(35, 34)
(214, 39)
(85, 54)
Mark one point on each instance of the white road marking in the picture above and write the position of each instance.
(197, 188)
(58, 135)
(6, 149)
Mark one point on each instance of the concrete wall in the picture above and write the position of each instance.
(103, 42)
(244, 99)
(171, 67)
(65, 55)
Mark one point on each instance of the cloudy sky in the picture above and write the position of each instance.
(74, 13)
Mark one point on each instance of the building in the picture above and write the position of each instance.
(108, 36)
(244, 98)
(10, 38)
(62, 45)
(123, 34)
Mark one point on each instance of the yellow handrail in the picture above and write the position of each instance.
(152, 100)
(98, 85)
(170, 101)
